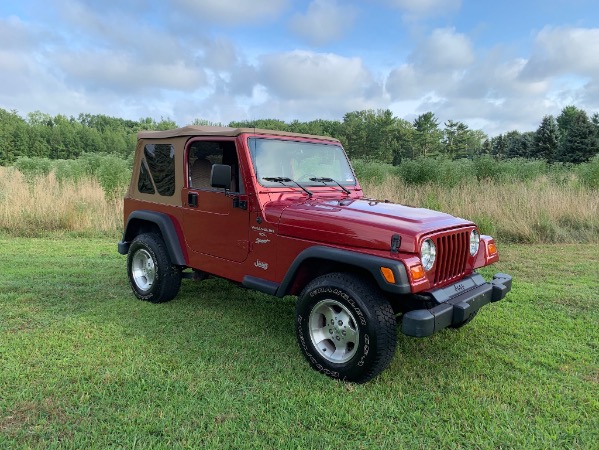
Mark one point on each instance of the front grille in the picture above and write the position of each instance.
(452, 254)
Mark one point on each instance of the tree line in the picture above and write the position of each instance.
(40, 135)
(369, 135)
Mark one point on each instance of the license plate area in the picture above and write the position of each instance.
(446, 293)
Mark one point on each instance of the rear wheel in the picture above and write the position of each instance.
(345, 328)
(152, 275)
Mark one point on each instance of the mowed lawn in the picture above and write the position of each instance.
(83, 364)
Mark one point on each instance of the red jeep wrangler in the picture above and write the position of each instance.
(283, 213)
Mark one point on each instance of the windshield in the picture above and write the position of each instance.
(299, 161)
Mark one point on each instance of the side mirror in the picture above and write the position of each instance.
(220, 177)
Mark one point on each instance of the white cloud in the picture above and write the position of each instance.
(219, 54)
(16, 34)
(117, 71)
(564, 50)
(437, 63)
(12, 61)
(302, 75)
(118, 30)
(232, 11)
(426, 7)
(444, 75)
(242, 80)
(444, 50)
(589, 95)
(307, 85)
(324, 22)
(405, 83)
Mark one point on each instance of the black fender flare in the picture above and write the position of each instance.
(167, 228)
(370, 263)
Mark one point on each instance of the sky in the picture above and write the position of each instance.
(494, 65)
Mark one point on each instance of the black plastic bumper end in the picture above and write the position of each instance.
(123, 247)
(454, 311)
(502, 284)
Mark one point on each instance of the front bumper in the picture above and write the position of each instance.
(456, 304)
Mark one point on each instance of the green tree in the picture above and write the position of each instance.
(487, 147)
(455, 139)
(580, 142)
(330, 128)
(546, 140)
(499, 147)
(166, 124)
(386, 136)
(265, 124)
(91, 140)
(14, 137)
(518, 145)
(405, 140)
(355, 135)
(475, 140)
(567, 118)
(427, 136)
(369, 134)
(205, 123)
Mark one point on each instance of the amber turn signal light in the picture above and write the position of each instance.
(417, 272)
(492, 249)
(388, 274)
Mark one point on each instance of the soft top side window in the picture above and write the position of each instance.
(144, 182)
(160, 159)
(202, 155)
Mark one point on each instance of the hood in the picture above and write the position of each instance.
(361, 223)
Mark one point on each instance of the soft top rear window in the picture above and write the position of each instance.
(161, 162)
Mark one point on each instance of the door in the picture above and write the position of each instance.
(214, 221)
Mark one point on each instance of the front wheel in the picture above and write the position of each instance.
(152, 275)
(346, 329)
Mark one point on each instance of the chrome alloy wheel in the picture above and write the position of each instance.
(334, 331)
(143, 270)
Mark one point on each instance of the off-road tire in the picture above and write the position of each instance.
(345, 327)
(152, 275)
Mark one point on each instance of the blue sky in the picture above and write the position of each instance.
(495, 65)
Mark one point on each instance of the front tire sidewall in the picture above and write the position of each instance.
(358, 365)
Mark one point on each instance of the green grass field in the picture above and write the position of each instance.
(83, 364)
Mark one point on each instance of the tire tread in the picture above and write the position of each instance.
(380, 310)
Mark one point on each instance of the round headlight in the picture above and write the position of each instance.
(428, 253)
(474, 242)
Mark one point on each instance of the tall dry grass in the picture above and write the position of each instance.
(35, 206)
(536, 211)
(540, 210)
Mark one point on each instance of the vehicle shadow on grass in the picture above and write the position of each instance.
(219, 320)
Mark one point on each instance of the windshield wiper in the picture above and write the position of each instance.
(330, 180)
(284, 180)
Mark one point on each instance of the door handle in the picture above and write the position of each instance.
(238, 203)
(192, 199)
